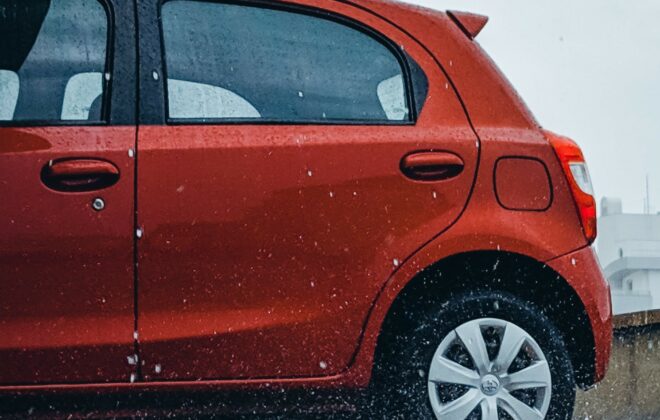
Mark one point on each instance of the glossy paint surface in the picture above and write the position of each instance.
(271, 254)
(266, 245)
(584, 274)
(522, 184)
(66, 270)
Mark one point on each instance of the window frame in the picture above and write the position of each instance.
(120, 62)
(392, 47)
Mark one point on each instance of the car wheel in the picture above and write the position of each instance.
(486, 355)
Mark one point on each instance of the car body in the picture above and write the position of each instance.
(154, 246)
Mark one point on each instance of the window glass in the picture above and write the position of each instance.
(52, 59)
(8, 94)
(192, 100)
(391, 94)
(420, 84)
(227, 61)
(80, 94)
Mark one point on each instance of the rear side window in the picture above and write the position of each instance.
(52, 60)
(240, 62)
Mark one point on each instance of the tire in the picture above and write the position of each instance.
(401, 388)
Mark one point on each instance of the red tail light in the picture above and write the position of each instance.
(577, 174)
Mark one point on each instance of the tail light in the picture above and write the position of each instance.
(577, 174)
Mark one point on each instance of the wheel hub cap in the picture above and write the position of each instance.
(489, 365)
(490, 385)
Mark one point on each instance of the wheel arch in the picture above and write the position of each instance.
(517, 274)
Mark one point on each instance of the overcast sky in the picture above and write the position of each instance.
(589, 69)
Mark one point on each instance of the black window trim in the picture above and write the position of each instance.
(396, 50)
(119, 14)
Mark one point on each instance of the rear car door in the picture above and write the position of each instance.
(67, 135)
(270, 183)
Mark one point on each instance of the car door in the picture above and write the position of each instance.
(67, 134)
(270, 183)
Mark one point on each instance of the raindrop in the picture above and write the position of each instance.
(396, 262)
(154, 74)
(323, 364)
(107, 76)
(158, 368)
(132, 379)
(573, 261)
(131, 153)
(300, 94)
(332, 194)
(435, 194)
(309, 172)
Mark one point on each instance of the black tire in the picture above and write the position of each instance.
(399, 387)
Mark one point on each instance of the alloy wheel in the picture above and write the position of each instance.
(487, 369)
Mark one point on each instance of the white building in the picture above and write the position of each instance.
(629, 251)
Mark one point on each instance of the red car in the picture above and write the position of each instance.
(310, 194)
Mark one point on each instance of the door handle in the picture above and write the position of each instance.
(78, 175)
(431, 166)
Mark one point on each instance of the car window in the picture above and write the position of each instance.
(80, 94)
(195, 100)
(391, 94)
(228, 61)
(52, 59)
(8, 93)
